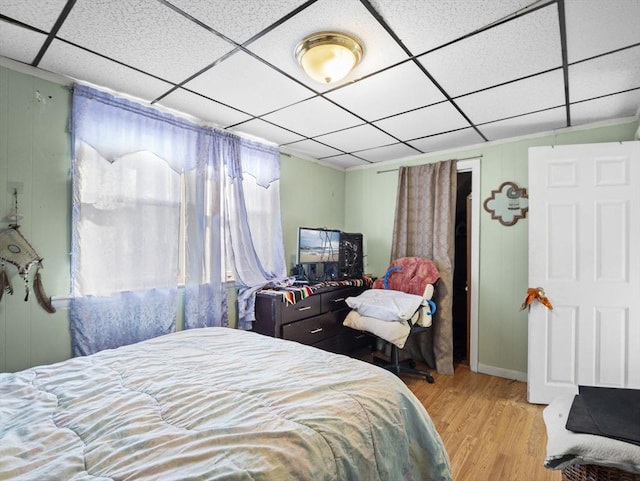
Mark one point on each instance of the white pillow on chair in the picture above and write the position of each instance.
(386, 305)
(394, 332)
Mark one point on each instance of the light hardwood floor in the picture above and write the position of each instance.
(489, 429)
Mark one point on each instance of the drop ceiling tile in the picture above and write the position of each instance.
(611, 107)
(42, 15)
(521, 47)
(603, 75)
(357, 138)
(526, 124)
(79, 64)
(312, 148)
(348, 16)
(144, 34)
(424, 25)
(238, 21)
(427, 121)
(203, 108)
(267, 131)
(313, 117)
(248, 85)
(597, 27)
(19, 43)
(387, 88)
(517, 98)
(449, 140)
(396, 90)
(345, 161)
(388, 152)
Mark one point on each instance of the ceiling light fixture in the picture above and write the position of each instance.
(328, 56)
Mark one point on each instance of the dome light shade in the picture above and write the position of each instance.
(328, 56)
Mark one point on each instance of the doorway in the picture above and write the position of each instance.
(462, 271)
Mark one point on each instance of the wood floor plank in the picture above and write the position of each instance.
(489, 429)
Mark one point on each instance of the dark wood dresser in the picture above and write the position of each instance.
(315, 320)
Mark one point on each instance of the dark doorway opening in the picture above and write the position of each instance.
(462, 271)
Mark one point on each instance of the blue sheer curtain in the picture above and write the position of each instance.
(130, 163)
(99, 323)
(252, 219)
(137, 172)
(205, 302)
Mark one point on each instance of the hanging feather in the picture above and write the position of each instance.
(43, 299)
(5, 283)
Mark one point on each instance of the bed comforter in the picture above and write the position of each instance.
(215, 404)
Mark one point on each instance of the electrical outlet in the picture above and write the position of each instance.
(15, 187)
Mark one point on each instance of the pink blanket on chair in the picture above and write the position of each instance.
(412, 277)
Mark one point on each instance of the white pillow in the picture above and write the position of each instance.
(386, 305)
(394, 332)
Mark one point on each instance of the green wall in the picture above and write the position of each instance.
(502, 327)
(35, 151)
(311, 195)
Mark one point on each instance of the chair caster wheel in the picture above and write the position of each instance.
(430, 379)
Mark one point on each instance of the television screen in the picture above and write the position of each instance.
(318, 245)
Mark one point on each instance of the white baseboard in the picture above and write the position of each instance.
(500, 372)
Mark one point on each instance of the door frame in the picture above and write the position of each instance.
(473, 166)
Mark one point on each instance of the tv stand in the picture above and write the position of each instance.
(315, 320)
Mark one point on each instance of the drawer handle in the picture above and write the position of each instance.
(316, 331)
(340, 299)
(304, 308)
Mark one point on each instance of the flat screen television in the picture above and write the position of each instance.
(317, 245)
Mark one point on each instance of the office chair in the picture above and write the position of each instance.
(406, 308)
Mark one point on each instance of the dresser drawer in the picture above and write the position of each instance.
(331, 344)
(305, 308)
(312, 330)
(315, 320)
(351, 339)
(335, 300)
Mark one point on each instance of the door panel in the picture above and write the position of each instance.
(584, 233)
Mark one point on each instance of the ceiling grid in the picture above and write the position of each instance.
(435, 75)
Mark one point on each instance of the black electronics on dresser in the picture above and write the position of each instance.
(351, 260)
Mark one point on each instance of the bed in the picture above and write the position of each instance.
(215, 404)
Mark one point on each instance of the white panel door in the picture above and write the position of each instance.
(584, 250)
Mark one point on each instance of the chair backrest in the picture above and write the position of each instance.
(410, 275)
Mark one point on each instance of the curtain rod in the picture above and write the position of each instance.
(457, 160)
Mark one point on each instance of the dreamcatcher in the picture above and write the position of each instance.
(16, 250)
